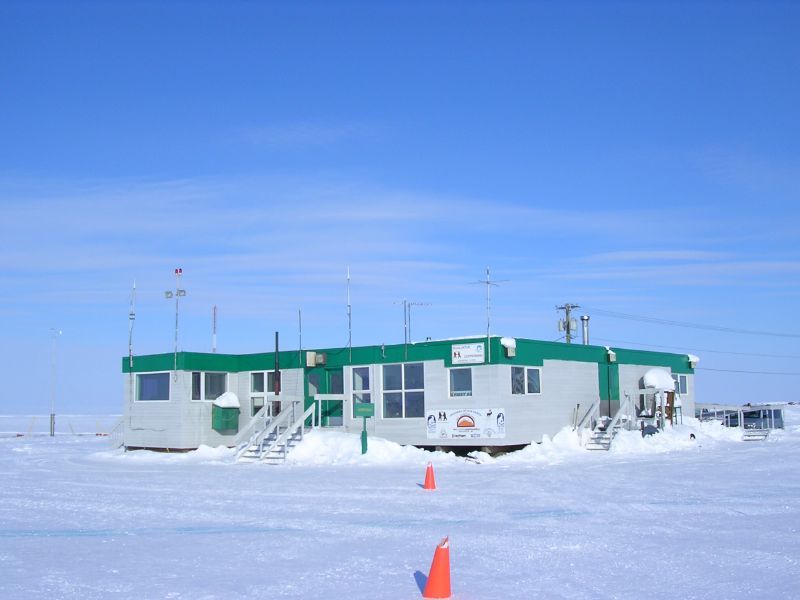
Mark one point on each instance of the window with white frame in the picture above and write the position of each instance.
(461, 382)
(215, 385)
(152, 387)
(208, 386)
(261, 385)
(681, 383)
(361, 387)
(256, 392)
(403, 391)
(335, 381)
(526, 380)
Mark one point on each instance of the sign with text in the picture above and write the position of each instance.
(467, 354)
(364, 410)
(466, 424)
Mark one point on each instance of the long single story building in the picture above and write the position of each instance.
(470, 392)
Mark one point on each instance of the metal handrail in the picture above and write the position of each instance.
(298, 424)
(628, 403)
(259, 435)
(251, 430)
(593, 409)
(116, 435)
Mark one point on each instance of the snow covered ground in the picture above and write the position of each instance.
(662, 517)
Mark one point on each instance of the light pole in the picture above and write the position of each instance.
(54, 334)
(177, 295)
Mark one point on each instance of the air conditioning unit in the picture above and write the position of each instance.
(316, 359)
(311, 359)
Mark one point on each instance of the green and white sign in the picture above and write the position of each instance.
(365, 409)
(467, 354)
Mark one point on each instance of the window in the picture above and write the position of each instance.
(336, 381)
(256, 392)
(460, 382)
(525, 380)
(256, 383)
(361, 387)
(257, 403)
(261, 385)
(215, 385)
(152, 387)
(208, 386)
(196, 391)
(404, 393)
(681, 384)
(314, 380)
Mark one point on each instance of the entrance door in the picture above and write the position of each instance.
(325, 382)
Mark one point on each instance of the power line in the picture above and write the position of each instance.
(747, 372)
(618, 315)
(702, 349)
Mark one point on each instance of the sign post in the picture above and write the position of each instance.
(364, 410)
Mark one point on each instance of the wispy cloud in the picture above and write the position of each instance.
(251, 241)
(742, 168)
(656, 255)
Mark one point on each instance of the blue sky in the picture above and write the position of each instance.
(633, 158)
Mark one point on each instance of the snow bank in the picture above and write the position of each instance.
(203, 455)
(321, 447)
(327, 448)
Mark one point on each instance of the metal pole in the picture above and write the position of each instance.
(54, 333)
(214, 330)
(410, 304)
(349, 318)
(177, 293)
(488, 322)
(177, 299)
(405, 331)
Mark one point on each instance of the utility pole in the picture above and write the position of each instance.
(568, 325)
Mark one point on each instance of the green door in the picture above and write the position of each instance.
(320, 380)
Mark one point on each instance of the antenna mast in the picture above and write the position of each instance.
(177, 295)
(214, 329)
(489, 283)
(349, 317)
(131, 319)
(410, 304)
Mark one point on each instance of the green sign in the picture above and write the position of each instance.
(364, 410)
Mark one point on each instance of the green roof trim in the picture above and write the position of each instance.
(528, 352)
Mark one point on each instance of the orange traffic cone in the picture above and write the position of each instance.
(430, 482)
(438, 585)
